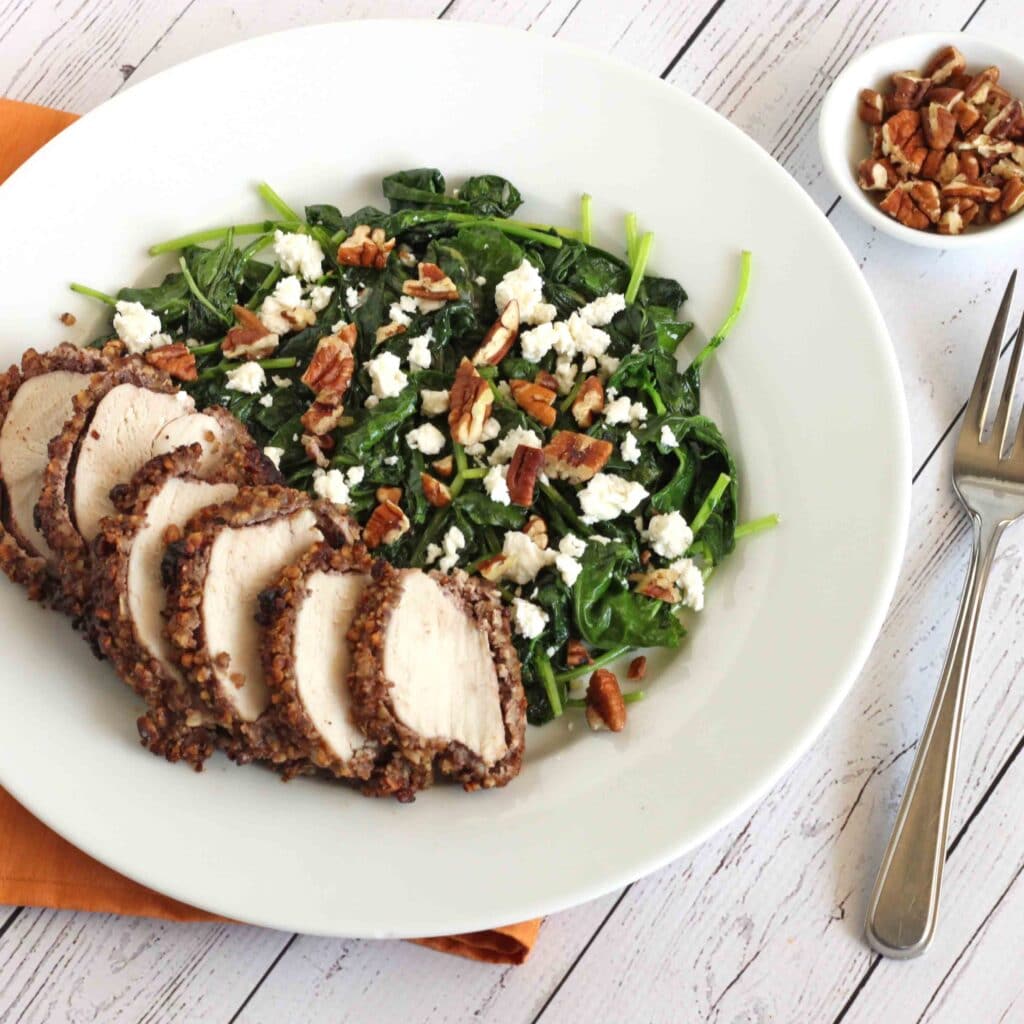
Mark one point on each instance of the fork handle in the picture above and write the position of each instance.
(904, 905)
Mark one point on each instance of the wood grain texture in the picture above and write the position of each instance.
(763, 923)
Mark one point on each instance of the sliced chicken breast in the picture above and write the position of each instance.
(228, 555)
(436, 674)
(307, 658)
(36, 399)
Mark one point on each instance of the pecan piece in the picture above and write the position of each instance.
(977, 89)
(575, 457)
(909, 90)
(444, 467)
(386, 331)
(523, 471)
(470, 404)
(500, 337)
(433, 283)
(1008, 121)
(871, 106)
(903, 142)
(576, 654)
(322, 417)
(330, 370)
(925, 195)
(436, 493)
(589, 401)
(318, 448)
(874, 174)
(945, 95)
(899, 205)
(956, 215)
(658, 584)
(967, 115)
(939, 126)
(365, 248)
(1004, 168)
(392, 494)
(537, 530)
(967, 165)
(249, 338)
(605, 707)
(976, 190)
(947, 62)
(637, 668)
(492, 568)
(535, 400)
(175, 360)
(546, 380)
(1012, 198)
(387, 523)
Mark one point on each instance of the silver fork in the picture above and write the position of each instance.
(989, 481)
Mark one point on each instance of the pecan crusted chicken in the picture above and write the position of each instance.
(435, 673)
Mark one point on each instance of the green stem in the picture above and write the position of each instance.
(266, 286)
(748, 529)
(629, 698)
(581, 670)
(586, 218)
(199, 296)
(272, 199)
(631, 237)
(508, 228)
(431, 530)
(212, 234)
(643, 254)
(549, 681)
(565, 508)
(730, 320)
(205, 350)
(659, 406)
(708, 506)
(461, 463)
(571, 397)
(83, 289)
(282, 363)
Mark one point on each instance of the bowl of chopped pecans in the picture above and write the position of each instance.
(924, 137)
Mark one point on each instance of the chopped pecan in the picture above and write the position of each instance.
(392, 494)
(930, 169)
(589, 401)
(433, 283)
(436, 493)
(939, 126)
(945, 95)
(535, 400)
(964, 189)
(1005, 168)
(406, 256)
(537, 530)
(175, 360)
(386, 331)
(366, 247)
(1012, 198)
(386, 524)
(68, 319)
(523, 471)
(249, 338)
(605, 707)
(909, 89)
(575, 457)
(637, 668)
(576, 654)
(875, 173)
(956, 215)
(330, 370)
(322, 417)
(1006, 122)
(470, 402)
(870, 106)
(546, 380)
(947, 62)
(925, 195)
(658, 584)
(977, 89)
(492, 568)
(444, 467)
(967, 115)
(900, 206)
(500, 337)
(318, 448)
(967, 165)
(903, 142)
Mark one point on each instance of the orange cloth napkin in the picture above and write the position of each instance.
(38, 867)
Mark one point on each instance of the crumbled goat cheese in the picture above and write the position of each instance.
(330, 485)
(692, 582)
(496, 485)
(629, 449)
(398, 316)
(287, 297)
(299, 254)
(587, 339)
(433, 403)
(338, 325)
(136, 326)
(372, 401)
(568, 568)
(354, 475)
(274, 454)
(453, 542)
(589, 364)
(386, 374)
(281, 382)
(668, 534)
(391, 460)
(565, 374)
(408, 303)
(480, 280)
(608, 364)
(352, 298)
(602, 310)
(622, 410)
(667, 438)
(434, 552)
(491, 429)
(537, 343)
(419, 351)
(249, 378)
(607, 496)
(267, 401)
(523, 559)
(475, 450)
(427, 439)
(320, 297)
(524, 284)
(528, 618)
(507, 446)
(572, 545)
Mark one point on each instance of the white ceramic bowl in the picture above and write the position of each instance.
(842, 137)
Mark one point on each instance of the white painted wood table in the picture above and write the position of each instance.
(763, 923)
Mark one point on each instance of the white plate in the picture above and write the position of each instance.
(807, 391)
